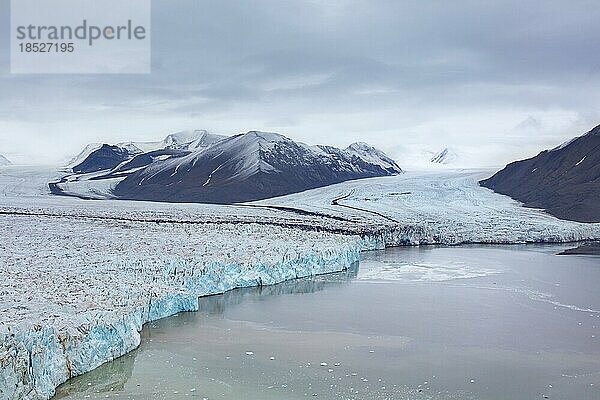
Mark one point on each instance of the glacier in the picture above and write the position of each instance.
(434, 207)
(81, 298)
(81, 278)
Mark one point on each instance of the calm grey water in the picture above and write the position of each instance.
(506, 322)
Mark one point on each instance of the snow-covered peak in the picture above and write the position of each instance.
(4, 160)
(78, 159)
(373, 156)
(191, 140)
(445, 156)
(595, 131)
(253, 141)
(136, 147)
(183, 140)
(565, 144)
(184, 137)
(265, 136)
(361, 146)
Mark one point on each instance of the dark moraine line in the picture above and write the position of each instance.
(301, 226)
(336, 202)
(297, 211)
(56, 190)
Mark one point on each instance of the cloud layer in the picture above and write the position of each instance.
(493, 80)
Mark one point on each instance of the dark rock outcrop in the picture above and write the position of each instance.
(105, 158)
(252, 166)
(564, 181)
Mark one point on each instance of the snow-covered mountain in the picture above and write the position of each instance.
(4, 161)
(374, 156)
(445, 156)
(431, 157)
(214, 169)
(99, 157)
(565, 180)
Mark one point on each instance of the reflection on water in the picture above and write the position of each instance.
(472, 322)
(112, 376)
(109, 377)
(218, 303)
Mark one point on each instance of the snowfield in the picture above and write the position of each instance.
(440, 207)
(81, 277)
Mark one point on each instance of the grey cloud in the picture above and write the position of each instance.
(400, 74)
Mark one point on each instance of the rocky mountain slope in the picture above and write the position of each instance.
(208, 168)
(565, 181)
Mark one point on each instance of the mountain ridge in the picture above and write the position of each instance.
(4, 161)
(223, 169)
(565, 180)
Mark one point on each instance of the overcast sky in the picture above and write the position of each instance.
(493, 80)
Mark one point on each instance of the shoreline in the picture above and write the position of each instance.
(343, 268)
(586, 248)
(123, 335)
(339, 268)
(85, 276)
(41, 352)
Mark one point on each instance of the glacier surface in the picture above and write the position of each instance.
(76, 292)
(435, 207)
(80, 278)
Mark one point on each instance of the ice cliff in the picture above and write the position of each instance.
(76, 307)
(79, 279)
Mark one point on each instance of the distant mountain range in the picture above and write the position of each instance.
(200, 167)
(4, 160)
(98, 156)
(565, 181)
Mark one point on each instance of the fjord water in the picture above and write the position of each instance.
(477, 322)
